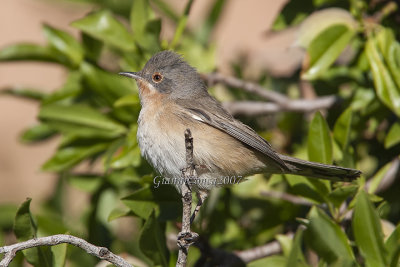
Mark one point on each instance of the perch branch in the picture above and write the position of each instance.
(279, 102)
(259, 252)
(287, 197)
(186, 238)
(100, 252)
(254, 108)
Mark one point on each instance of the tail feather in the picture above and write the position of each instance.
(319, 170)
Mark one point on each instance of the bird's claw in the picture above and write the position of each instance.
(186, 239)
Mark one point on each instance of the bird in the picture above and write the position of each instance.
(174, 98)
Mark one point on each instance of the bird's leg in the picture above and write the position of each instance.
(201, 195)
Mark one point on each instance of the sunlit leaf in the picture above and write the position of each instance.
(152, 240)
(25, 228)
(386, 88)
(25, 51)
(392, 245)
(80, 120)
(103, 26)
(66, 158)
(393, 137)
(24, 93)
(320, 21)
(37, 133)
(326, 238)
(65, 44)
(368, 232)
(319, 140)
(324, 49)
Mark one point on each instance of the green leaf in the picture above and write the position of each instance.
(140, 202)
(166, 9)
(118, 213)
(393, 137)
(80, 120)
(31, 52)
(25, 229)
(377, 178)
(319, 148)
(296, 257)
(385, 86)
(127, 157)
(24, 226)
(152, 241)
(65, 44)
(103, 26)
(24, 93)
(319, 140)
(368, 232)
(165, 201)
(37, 133)
(204, 35)
(392, 245)
(327, 238)
(60, 255)
(342, 128)
(343, 133)
(7, 214)
(87, 183)
(321, 20)
(325, 49)
(128, 100)
(71, 88)
(110, 87)
(341, 193)
(141, 12)
(271, 261)
(66, 158)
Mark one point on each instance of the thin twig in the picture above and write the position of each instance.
(287, 197)
(100, 252)
(255, 108)
(280, 102)
(214, 78)
(259, 252)
(186, 237)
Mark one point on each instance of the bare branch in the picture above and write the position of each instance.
(214, 78)
(100, 252)
(256, 108)
(280, 102)
(261, 252)
(287, 197)
(186, 238)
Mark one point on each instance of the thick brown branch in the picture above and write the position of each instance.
(100, 252)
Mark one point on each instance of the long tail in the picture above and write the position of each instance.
(319, 170)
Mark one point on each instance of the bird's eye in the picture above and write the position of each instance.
(157, 77)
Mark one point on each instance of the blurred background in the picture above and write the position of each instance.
(22, 20)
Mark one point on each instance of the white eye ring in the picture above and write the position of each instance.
(157, 77)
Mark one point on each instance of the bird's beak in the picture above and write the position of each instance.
(133, 75)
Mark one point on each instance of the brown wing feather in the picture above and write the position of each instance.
(212, 113)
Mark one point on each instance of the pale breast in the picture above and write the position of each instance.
(217, 154)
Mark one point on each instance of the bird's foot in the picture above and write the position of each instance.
(186, 239)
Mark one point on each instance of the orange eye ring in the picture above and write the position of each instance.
(157, 77)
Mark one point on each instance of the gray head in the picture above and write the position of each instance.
(169, 74)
